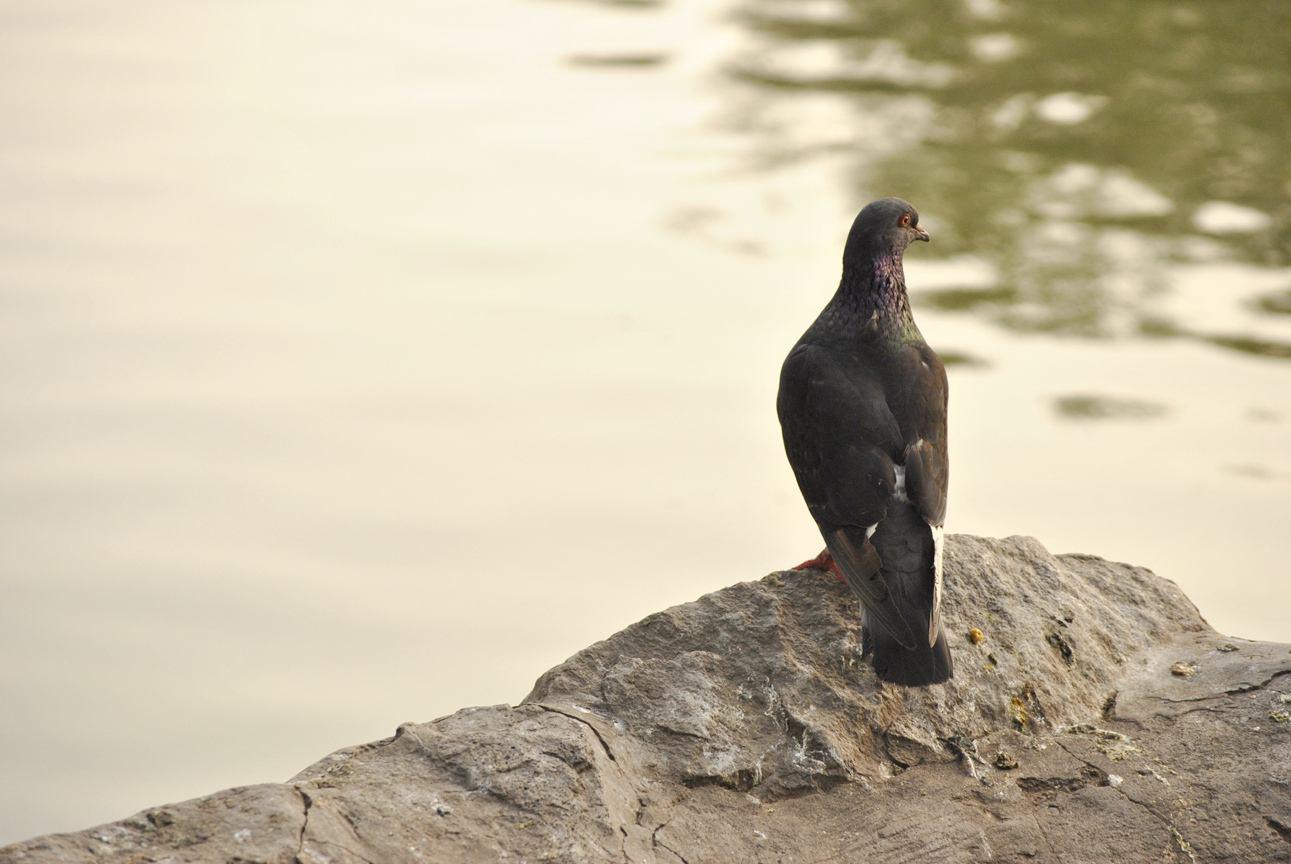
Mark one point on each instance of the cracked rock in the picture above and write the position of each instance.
(745, 726)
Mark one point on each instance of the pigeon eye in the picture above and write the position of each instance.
(905, 220)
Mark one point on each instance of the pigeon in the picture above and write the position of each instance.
(862, 405)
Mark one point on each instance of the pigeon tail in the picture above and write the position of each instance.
(859, 562)
(926, 664)
(907, 547)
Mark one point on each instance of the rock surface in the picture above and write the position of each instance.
(1093, 716)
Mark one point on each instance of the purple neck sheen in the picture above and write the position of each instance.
(871, 301)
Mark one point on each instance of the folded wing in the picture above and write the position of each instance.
(842, 442)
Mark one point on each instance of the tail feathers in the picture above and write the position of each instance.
(909, 551)
(918, 667)
(859, 565)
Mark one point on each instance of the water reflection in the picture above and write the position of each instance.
(643, 60)
(1085, 407)
(1278, 303)
(1080, 148)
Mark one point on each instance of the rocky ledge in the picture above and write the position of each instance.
(1093, 716)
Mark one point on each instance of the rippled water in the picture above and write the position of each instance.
(1083, 150)
(364, 361)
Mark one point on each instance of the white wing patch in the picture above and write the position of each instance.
(899, 492)
(934, 620)
(869, 532)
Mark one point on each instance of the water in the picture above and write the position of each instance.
(363, 362)
(1081, 150)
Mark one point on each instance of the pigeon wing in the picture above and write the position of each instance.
(926, 459)
(840, 438)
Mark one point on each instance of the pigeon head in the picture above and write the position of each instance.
(882, 230)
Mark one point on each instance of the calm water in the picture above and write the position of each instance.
(363, 361)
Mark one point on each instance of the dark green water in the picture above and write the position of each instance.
(1081, 148)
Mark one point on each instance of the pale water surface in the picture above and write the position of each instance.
(363, 361)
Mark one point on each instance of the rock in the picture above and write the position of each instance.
(745, 726)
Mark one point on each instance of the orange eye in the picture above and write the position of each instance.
(905, 220)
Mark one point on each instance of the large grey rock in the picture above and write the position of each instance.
(1097, 718)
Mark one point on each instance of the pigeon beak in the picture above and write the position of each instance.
(920, 234)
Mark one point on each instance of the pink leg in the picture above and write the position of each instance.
(822, 561)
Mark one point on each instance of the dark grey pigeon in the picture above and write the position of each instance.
(862, 406)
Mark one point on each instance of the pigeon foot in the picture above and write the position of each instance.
(823, 561)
